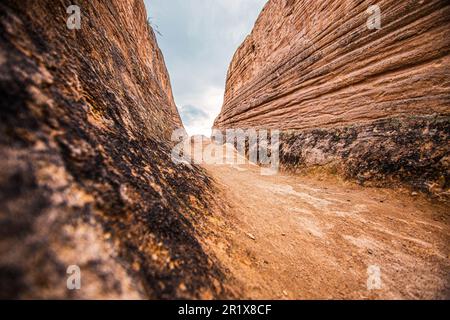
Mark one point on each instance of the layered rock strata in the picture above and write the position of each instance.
(371, 103)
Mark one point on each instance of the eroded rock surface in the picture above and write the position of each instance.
(372, 104)
(86, 176)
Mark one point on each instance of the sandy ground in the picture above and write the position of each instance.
(297, 237)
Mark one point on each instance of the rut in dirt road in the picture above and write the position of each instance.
(301, 237)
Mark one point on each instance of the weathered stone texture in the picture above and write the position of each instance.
(315, 65)
(86, 176)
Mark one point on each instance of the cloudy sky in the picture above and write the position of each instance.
(198, 39)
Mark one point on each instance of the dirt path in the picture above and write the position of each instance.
(295, 237)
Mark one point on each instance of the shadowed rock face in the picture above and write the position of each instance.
(345, 96)
(85, 171)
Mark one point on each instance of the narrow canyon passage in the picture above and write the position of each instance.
(97, 202)
(299, 237)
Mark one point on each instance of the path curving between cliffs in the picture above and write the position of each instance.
(299, 237)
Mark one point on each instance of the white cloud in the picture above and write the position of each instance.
(210, 102)
(199, 38)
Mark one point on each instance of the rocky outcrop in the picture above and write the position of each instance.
(373, 104)
(86, 177)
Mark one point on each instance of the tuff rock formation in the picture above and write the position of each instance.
(86, 176)
(371, 104)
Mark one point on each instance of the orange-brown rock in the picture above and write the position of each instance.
(373, 104)
(86, 177)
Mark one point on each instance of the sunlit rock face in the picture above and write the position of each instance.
(86, 176)
(372, 104)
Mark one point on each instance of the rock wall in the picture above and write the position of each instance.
(86, 177)
(347, 96)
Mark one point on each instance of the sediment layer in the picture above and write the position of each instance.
(315, 69)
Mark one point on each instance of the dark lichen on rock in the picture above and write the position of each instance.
(85, 168)
(413, 151)
(372, 105)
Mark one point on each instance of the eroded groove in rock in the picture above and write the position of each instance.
(85, 171)
(314, 70)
